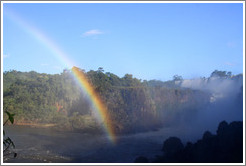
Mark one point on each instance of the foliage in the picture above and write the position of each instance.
(177, 78)
(222, 74)
(7, 142)
(133, 105)
(172, 145)
(224, 147)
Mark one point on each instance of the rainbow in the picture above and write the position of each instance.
(96, 102)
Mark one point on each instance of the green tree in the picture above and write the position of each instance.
(221, 74)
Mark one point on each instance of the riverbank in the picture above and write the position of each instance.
(86, 129)
(36, 125)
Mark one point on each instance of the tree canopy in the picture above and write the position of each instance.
(132, 104)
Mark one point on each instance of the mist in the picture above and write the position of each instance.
(144, 114)
(225, 103)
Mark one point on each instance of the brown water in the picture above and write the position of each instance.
(44, 145)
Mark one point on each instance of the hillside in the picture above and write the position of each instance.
(132, 104)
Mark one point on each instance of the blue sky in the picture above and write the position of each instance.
(150, 41)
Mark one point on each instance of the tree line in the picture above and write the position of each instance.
(133, 105)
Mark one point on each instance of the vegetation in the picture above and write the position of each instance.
(224, 74)
(39, 99)
(133, 104)
(224, 147)
(7, 142)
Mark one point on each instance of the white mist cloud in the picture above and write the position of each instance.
(226, 101)
(214, 85)
(193, 83)
(93, 32)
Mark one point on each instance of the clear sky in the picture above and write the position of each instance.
(150, 41)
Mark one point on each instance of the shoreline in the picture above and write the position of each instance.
(39, 125)
(58, 128)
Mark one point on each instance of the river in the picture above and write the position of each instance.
(46, 145)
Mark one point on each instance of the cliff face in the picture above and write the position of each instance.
(133, 105)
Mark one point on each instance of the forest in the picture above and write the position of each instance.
(134, 105)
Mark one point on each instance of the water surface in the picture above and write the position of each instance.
(35, 145)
